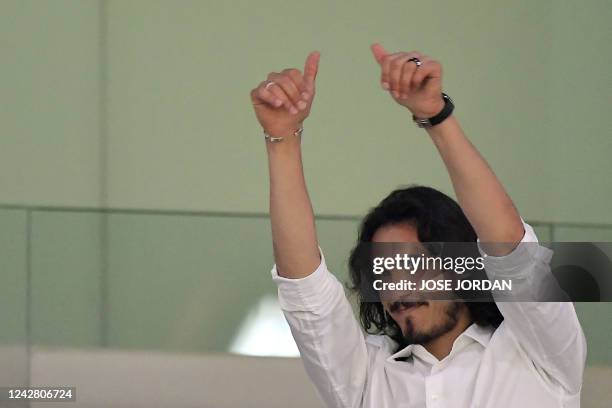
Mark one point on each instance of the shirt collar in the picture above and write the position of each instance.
(475, 332)
(482, 334)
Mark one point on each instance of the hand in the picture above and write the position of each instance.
(417, 88)
(282, 107)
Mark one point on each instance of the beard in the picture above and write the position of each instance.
(413, 336)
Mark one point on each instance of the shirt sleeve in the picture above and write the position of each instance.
(549, 332)
(329, 338)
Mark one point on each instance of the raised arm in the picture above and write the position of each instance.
(329, 338)
(548, 332)
(479, 192)
(281, 104)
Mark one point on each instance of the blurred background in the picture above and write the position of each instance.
(135, 248)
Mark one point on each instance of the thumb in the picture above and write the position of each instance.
(379, 52)
(311, 68)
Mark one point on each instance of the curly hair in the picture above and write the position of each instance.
(436, 218)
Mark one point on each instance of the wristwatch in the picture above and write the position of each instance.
(440, 117)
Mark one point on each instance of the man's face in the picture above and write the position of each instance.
(419, 320)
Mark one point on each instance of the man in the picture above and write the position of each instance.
(444, 353)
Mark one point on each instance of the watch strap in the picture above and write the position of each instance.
(440, 117)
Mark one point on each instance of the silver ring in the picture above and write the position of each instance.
(270, 83)
(416, 61)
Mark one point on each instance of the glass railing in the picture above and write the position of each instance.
(172, 281)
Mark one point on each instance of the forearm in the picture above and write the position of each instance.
(480, 194)
(294, 237)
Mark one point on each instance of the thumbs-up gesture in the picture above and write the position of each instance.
(418, 88)
(283, 101)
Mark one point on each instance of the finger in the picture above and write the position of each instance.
(379, 52)
(298, 79)
(296, 76)
(279, 93)
(408, 69)
(311, 67)
(261, 95)
(290, 89)
(395, 71)
(430, 70)
(386, 66)
(385, 80)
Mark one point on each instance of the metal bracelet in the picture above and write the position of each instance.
(272, 139)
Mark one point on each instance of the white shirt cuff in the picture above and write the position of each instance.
(313, 293)
(517, 262)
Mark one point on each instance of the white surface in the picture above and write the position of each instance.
(265, 332)
(121, 379)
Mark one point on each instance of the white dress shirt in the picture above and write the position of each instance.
(535, 358)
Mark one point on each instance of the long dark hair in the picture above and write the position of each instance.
(436, 218)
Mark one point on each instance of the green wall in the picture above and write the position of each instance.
(143, 105)
(50, 102)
